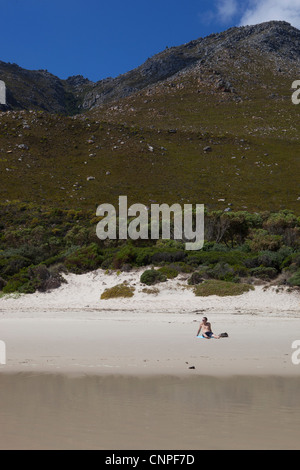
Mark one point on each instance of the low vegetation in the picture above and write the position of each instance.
(221, 288)
(39, 245)
(150, 290)
(120, 290)
(152, 276)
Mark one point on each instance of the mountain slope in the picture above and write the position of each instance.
(208, 122)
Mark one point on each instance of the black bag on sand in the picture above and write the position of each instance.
(223, 335)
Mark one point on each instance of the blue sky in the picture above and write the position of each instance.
(99, 39)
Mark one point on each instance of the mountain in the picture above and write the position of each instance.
(41, 90)
(210, 122)
(277, 41)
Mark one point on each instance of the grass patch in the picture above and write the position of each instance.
(150, 290)
(120, 290)
(14, 295)
(221, 288)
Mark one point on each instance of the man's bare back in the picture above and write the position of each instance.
(207, 333)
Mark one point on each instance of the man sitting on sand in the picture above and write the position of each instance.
(206, 330)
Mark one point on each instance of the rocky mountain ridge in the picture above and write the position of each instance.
(276, 41)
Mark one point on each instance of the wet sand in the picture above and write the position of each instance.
(50, 411)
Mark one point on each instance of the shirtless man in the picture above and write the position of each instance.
(206, 330)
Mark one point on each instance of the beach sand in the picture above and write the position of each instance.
(85, 373)
(71, 330)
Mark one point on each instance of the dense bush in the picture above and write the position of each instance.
(230, 228)
(274, 259)
(13, 265)
(20, 282)
(2, 283)
(237, 245)
(168, 257)
(169, 271)
(144, 256)
(292, 261)
(152, 276)
(45, 279)
(34, 278)
(265, 273)
(221, 271)
(196, 278)
(260, 240)
(182, 267)
(84, 259)
(295, 279)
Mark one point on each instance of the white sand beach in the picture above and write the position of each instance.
(71, 330)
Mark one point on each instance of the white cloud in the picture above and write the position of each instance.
(223, 12)
(259, 11)
(226, 9)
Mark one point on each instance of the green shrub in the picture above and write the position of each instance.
(144, 256)
(269, 259)
(274, 259)
(29, 280)
(193, 261)
(221, 288)
(45, 279)
(260, 240)
(230, 228)
(295, 279)
(2, 283)
(196, 278)
(168, 271)
(240, 270)
(182, 267)
(221, 271)
(168, 257)
(152, 276)
(263, 272)
(165, 244)
(277, 223)
(84, 259)
(231, 257)
(126, 255)
(36, 254)
(13, 265)
(57, 268)
(107, 263)
(235, 243)
(212, 246)
(292, 260)
(120, 290)
(78, 235)
(20, 282)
